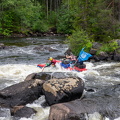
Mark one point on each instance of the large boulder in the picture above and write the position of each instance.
(21, 93)
(106, 103)
(63, 90)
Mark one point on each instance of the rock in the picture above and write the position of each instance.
(50, 75)
(105, 102)
(21, 93)
(63, 90)
(44, 48)
(103, 56)
(117, 55)
(22, 111)
(96, 45)
(62, 75)
(43, 76)
(39, 48)
(68, 51)
(50, 49)
(2, 46)
(93, 51)
(30, 77)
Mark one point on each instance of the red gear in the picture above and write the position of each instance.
(53, 61)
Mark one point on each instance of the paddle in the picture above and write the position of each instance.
(42, 69)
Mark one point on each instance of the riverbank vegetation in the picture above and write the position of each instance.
(83, 20)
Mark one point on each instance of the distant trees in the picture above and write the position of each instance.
(21, 16)
(99, 19)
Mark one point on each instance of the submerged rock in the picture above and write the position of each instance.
(22, 111)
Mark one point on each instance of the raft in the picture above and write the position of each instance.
(65, 66)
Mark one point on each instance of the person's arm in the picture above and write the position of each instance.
(68, 57)
(48, 64)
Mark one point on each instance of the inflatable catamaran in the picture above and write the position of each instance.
(65, 66)
(83, 56)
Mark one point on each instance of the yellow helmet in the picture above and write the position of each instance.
(50, 58)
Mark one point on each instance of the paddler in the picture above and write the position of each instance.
(51, 62)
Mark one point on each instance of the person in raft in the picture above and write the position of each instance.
(51, 62)
(71, 58)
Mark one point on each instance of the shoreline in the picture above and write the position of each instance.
(36, 34)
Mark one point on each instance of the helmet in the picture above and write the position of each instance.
(50, 58)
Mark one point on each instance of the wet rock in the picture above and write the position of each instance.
(21, 93)
(22, 111)
(50, 49)
(103, 56)
(117, 55)
(30, 77)
(63, 90)
(68, 51)
(93, 51)
(43, 76)
(50, 75)
(61, 75)
(39, 48)
(105, 102)
(2, 46)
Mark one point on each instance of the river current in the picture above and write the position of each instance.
(22, 56)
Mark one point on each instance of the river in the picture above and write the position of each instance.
(23, 54)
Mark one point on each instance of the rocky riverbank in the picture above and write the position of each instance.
(62, 88)
(32, 34)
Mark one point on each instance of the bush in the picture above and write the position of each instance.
(78, 40)
(109, 47)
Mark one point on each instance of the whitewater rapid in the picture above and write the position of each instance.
(17, 62)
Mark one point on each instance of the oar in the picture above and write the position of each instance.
(42, 69)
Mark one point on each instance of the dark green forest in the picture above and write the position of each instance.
(85, 21)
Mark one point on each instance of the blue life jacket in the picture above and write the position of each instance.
(65, 65)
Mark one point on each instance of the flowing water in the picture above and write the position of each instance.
(22, 56)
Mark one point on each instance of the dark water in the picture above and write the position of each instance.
(29, 50)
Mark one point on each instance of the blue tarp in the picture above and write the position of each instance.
(83, 55)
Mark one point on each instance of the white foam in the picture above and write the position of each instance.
(17, 71)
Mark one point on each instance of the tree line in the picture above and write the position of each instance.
(94, 20)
